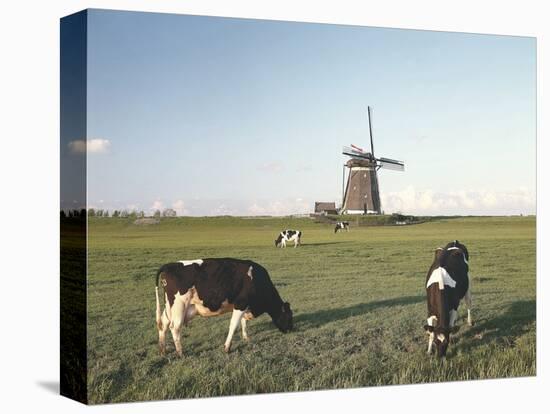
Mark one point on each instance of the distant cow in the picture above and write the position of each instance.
(211, 287)
(341, 225)
(288, 236)
(447, 283)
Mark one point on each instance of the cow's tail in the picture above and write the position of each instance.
(158, 312)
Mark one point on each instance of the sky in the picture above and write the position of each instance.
(220, 116)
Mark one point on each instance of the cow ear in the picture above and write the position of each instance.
(428, 328)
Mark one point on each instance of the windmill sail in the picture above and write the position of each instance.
(390, 164)
(353, 152)
(356, 148)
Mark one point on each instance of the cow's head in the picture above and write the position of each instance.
(284, 320)
(278, 240)
(442, 338)
(457, 244)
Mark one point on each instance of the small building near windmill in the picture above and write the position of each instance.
(322, 207)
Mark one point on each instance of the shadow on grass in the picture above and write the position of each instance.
(322, 317)
(503, 329)
(305, 245)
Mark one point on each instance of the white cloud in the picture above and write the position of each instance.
(179, 206)
(92, 146)
(157, 205)
(271, 167)
(222, 210)
(280, 207)
(489, 202)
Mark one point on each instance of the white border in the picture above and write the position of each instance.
(29, 170)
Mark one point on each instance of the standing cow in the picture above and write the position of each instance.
(288, 236)
(341, 225)
(212, 287)
(447, 283)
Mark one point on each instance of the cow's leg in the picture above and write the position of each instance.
(235, 320)
(468, 302)
(452, 317)
(162, 324)
(431, 342)
(175, 328)
(163, 328)
(178, 316)
(432, 321)
(243, 329)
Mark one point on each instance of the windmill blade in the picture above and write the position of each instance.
(355, 153)
(390, 164)
(370, 131)
(355, 147)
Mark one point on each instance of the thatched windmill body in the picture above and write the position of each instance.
(362, 193)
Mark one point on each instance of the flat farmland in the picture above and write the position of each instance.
(358, 300)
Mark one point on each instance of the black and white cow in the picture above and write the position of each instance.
(341, 225)
(447, 283)
(211, 287)
(288, 236)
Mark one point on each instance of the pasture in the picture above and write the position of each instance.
(358, 300)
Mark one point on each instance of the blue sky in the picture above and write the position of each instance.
(233, 116)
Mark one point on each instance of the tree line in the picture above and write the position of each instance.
(133, 214)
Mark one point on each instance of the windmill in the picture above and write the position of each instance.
(362, 194)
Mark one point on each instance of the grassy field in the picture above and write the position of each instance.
(358, 300)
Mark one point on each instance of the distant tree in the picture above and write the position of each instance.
(141, 214)
(398, 217)
(116, 213)
(63, 215)
(106, 213)
(169, 212)
(82, 212)
(156, 214)
(91, 212)
(132, 214)
(124, 213)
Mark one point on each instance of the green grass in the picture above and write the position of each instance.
(358, 300)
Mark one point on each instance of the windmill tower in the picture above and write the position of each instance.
(362, 194)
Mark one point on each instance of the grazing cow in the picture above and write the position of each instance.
(341, 225)
(288, 236)
(447, 283)
(211, 287)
